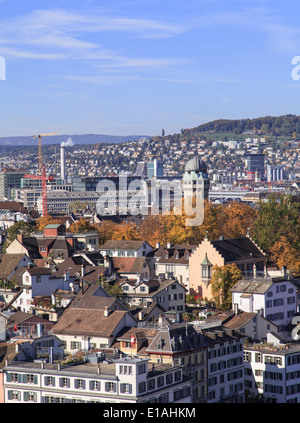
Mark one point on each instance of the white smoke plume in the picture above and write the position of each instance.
(68, 143)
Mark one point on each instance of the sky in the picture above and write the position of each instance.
(135, 67)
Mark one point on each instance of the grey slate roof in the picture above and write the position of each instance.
(238, 249)
(252, 287)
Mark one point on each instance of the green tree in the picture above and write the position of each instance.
(112, 290)
(20, 227)
(277, 217)
(223, 279)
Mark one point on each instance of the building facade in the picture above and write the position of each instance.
(272, 372)
(129, 380)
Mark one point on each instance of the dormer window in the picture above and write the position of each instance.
(166, 254)
(176, 255)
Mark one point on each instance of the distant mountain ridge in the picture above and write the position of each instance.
(285, 125)
(77, 139)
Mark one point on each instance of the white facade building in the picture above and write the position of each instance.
(272, 372)
(276, 300)
(225, 367)
(38, 281)
(127, 380)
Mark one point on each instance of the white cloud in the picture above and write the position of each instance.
(58, 34)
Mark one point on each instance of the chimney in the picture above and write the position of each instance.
(20, 238)
(106, 311)
(62, 164)
(141, 315)
(160, 321)
(284, 272)
(82, 269)
(66, 275)
(169, 245)
(236, 308)
(157, 245)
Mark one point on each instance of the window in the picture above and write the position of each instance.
(169, 378)
(12, 377)
(95, 385)
(49, 381)
(126, 370)
(75, 345)
(164, 398)
(160, 381)
(125, 388)
(14, 395)
(206, 271)
(125, 288)
(110, 387)
(151, 384)
(142, 289)
(282, 288)
(258, 358)
(30, 396)
(141, 368)
(79, 384)
(142, 387)
(177, 376)
(64, 382)
(31, 379)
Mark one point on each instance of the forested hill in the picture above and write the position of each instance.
(287, 126)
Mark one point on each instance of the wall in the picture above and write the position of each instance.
(197, 286)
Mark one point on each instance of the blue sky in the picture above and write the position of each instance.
(134, 67)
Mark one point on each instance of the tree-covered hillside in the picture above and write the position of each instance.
(286, 126)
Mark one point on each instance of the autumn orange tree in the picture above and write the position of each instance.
(282, 253)
(126, 230)
(237, 218)
(105, 230)
(152, 230)
(223, 279)
(80, 226)
(43, 221)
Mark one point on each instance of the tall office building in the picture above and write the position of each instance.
(10, 179)
(255, 165)
(155, 169)
(275, 173)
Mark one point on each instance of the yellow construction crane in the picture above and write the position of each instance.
(39, 137)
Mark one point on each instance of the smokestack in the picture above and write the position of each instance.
(62, 163)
